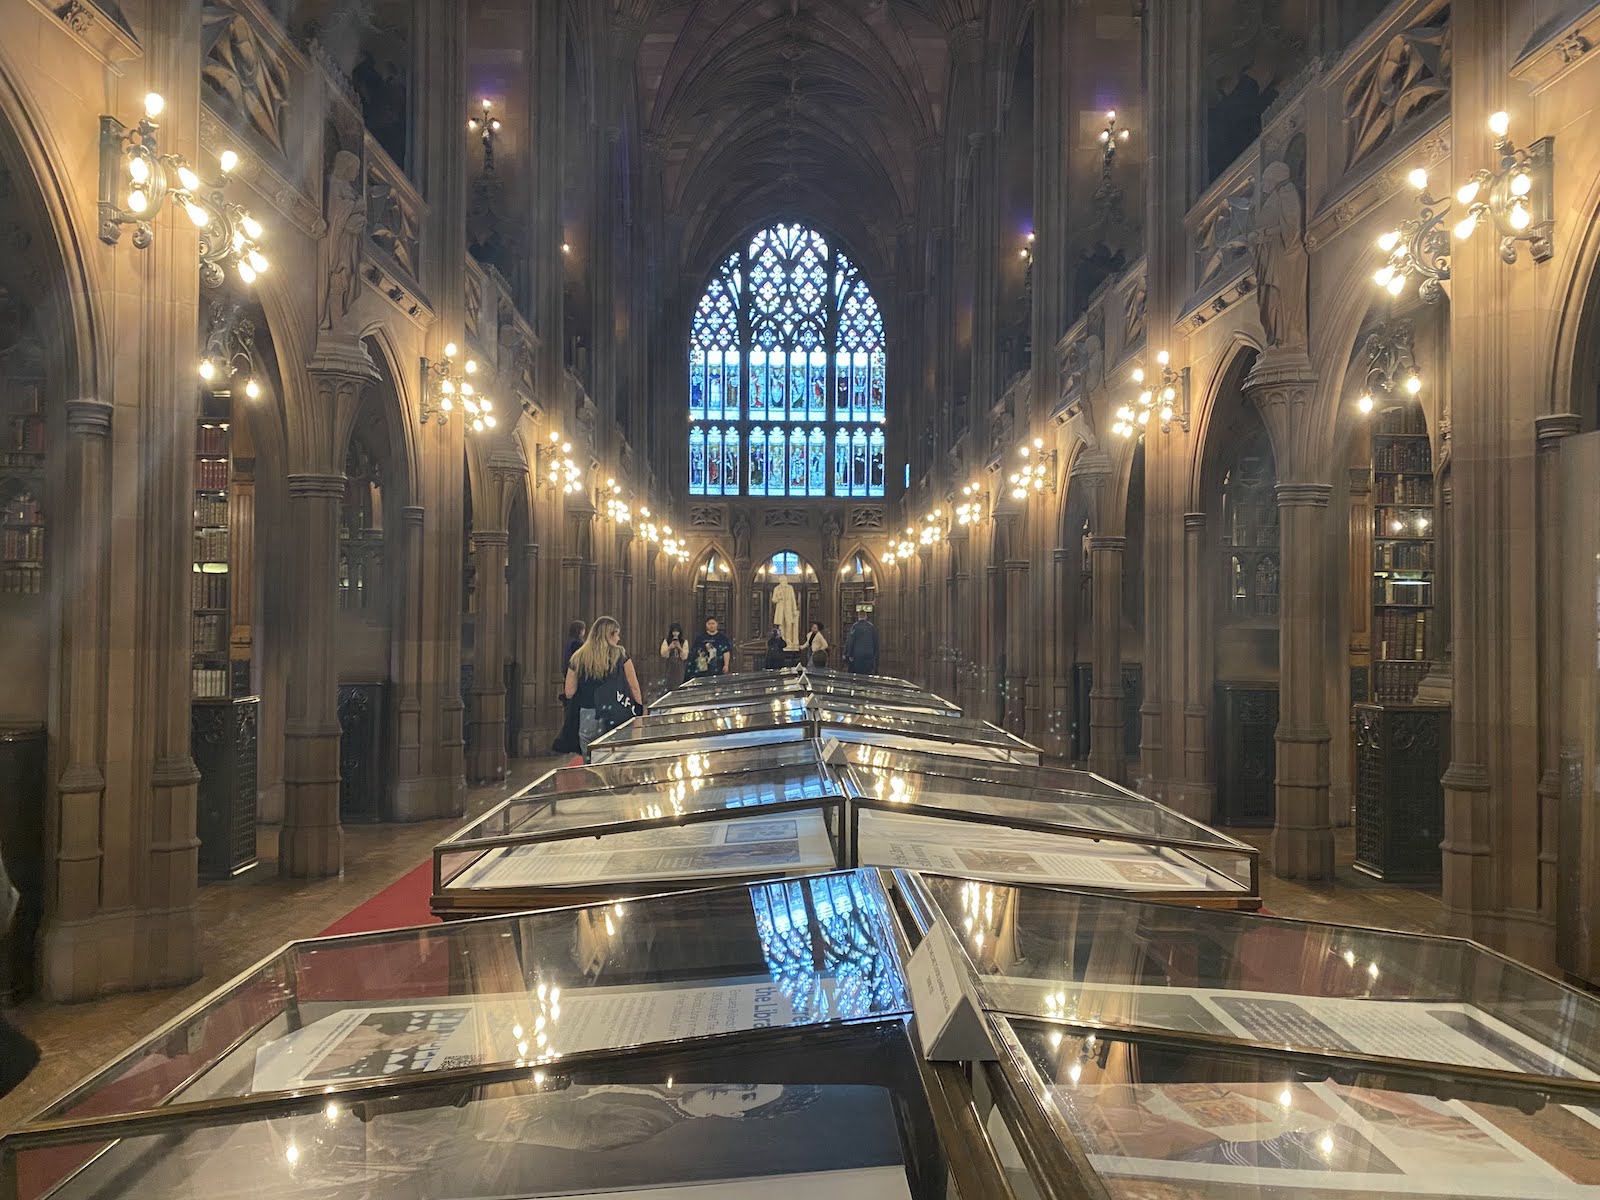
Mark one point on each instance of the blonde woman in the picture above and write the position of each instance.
(599, 677)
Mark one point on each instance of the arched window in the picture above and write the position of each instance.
(786, 323)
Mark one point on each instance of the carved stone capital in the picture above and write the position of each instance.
(317, 486)
(491, 537)
(1106, 542)
(89, 418)
(1552, 428)
(1304, 495)
(411, 514)
(1194, 521)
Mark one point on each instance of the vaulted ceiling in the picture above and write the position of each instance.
(795, 108)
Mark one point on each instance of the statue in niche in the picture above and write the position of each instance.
(741, 537)
(1282, 266)
(786, 611)
(831, 530)
(347, 224)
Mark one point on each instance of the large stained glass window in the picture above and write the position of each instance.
(787, 323)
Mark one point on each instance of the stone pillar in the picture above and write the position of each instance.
(1057, 719)
(1196, 795)
(73, 879)
(1552, 431)
(1106, 755)
(535, 682)
(405, 566)
(312, 841)
(1022, 644)
(486, 761)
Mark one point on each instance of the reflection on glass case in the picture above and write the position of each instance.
(1034, 824)
(738, 689)
(1233, 979)
(797, 718)
(610, 831)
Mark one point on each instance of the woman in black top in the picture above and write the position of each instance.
(600, 663)
(675, 649)
(775, 648)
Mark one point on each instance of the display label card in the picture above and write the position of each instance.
(950, 1021)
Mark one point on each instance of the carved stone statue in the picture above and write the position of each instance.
(741, 537)
(830, 540)
(786, 611)
(347, 225)
(1282, 266)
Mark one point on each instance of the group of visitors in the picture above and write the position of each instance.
(601, 688)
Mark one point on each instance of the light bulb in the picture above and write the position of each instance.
(554, 437)
(197, 214)
(1112, 115)
(1038, 443)
(238, 241)
(467, 389)
(208, 369)
(154, 103)
(483, 403)
(1389, 241)
(1144, 417)
(1465, 226)
(485, 106)
(449, 349)
(1138, 374)
(1163, 358)
(1365, 403)
(1105, 135)
(251, 226)
(1519, 217)
(565, 248)
(247, 272)
(472, 366)
(566, 448)
(1468, 191)
(252, 389)
(189, 179)
(477, 427)
(1499, 123)
(446, 404)
(138, 169)
(1521, 183)
(1382, 276)
(495, 124)
(227, 160)
(137, 201)
(1123, 135)
(257, 260)
(447, 386)
(1397, 285)
(1414, 384)
(1419, 179)
(1169, 394)
(1166, 414)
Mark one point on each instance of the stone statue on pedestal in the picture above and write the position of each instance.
(786, 611)
(1282, 267)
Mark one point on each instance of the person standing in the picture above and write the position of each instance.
(710, 653)
(675, 649)
(600, 676)
(576, 632)
(775, 650)
(814, 650)
(861, 647)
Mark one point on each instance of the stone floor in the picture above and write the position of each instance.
(248, 918)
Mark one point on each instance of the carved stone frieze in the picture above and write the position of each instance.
(708, 517)
(1410, 74)
(1134, 302)
(867, 520)
(1558, 49)
(97, 24)
(1222, 237)
(785, 518)
(240, 66)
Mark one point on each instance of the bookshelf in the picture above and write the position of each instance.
(210, 579)
(1402, 553)
(22, 453)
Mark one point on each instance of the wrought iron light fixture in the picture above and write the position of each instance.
(1107, 198)
(486, 125)
(1516, 197)
(1038, 471)
(970, 510)
(616, 507)
(1419, 249)
(136, 177)
(229, 349)
(902, 547)
(1391, 365)
(556, 466)
(443, 386)
(1167, 400)
(933, 527)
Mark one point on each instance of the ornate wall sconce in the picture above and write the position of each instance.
(136, 178)
(970, 510)
(1419, 248)
(902, 548)
(933, 528)
(487, 126)
(1516, 197)
(229, 349)
(1038, 471)
(1167, 400)
(443, 386)
(1391, 365)
(557, 468)
(616, 507)
(1107, 198)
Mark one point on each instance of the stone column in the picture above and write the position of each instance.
(1552, 431)
(312, 841)
(73, 879)
(1196, 795)
(1058, 699)
(1022, 644)
(534, 682)
(405, 568)
(486, 761)
(1106, 755)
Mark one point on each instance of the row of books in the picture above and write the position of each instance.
(1412, 455)
(209, 589)
(27, 435)
(210, 683)
(211, 474)
(211, 545)
(210, 633)
(212, 440)
(1396, 682)
(1401, 591)
(1403, 556)
(1404, 418)
(1406, 489)
(25, 545)
(1401, 636)
(22, 579)
(210, 510)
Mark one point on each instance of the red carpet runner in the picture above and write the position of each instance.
(403, 902)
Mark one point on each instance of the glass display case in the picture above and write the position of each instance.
(604, 832)
(741, 689)
(1012, 823)
(799, 718)
(720, 1041)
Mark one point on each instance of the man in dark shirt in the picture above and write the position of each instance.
(861, 648)
(710, 653)
(576, 632)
